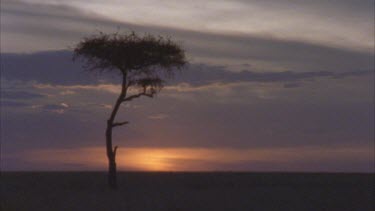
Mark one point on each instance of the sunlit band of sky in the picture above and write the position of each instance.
(317, 159)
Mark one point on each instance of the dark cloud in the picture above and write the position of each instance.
(281, 53)
(204, 74)
(57, 67)
(54, 67)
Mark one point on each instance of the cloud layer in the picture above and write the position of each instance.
(32, 27)
(320, 21)
(57, 67)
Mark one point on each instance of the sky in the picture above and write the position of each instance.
(271, 85)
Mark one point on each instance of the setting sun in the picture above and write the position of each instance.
(146, 159)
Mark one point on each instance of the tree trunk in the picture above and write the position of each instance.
(112, 178)
(111, 152)
(112, 174)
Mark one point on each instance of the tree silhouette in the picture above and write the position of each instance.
(140, 60)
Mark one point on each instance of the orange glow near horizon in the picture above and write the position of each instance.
(146, 159)
(190, 159)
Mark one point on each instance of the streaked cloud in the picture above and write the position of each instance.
(25, 28)
(312, 21)
(55, 108)
(111, 88)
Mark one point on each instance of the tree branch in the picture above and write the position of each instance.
(137, 96)
(115, 124)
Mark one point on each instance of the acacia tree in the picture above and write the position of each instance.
(142, 61)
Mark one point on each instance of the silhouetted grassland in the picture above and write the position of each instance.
(187, 191)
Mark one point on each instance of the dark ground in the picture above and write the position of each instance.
(70, 191)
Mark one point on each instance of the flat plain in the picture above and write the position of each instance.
(194, 191)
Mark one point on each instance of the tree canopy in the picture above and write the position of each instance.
(140, 58)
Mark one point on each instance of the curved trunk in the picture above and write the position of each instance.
(111, 152)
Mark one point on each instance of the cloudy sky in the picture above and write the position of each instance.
(271, 85)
